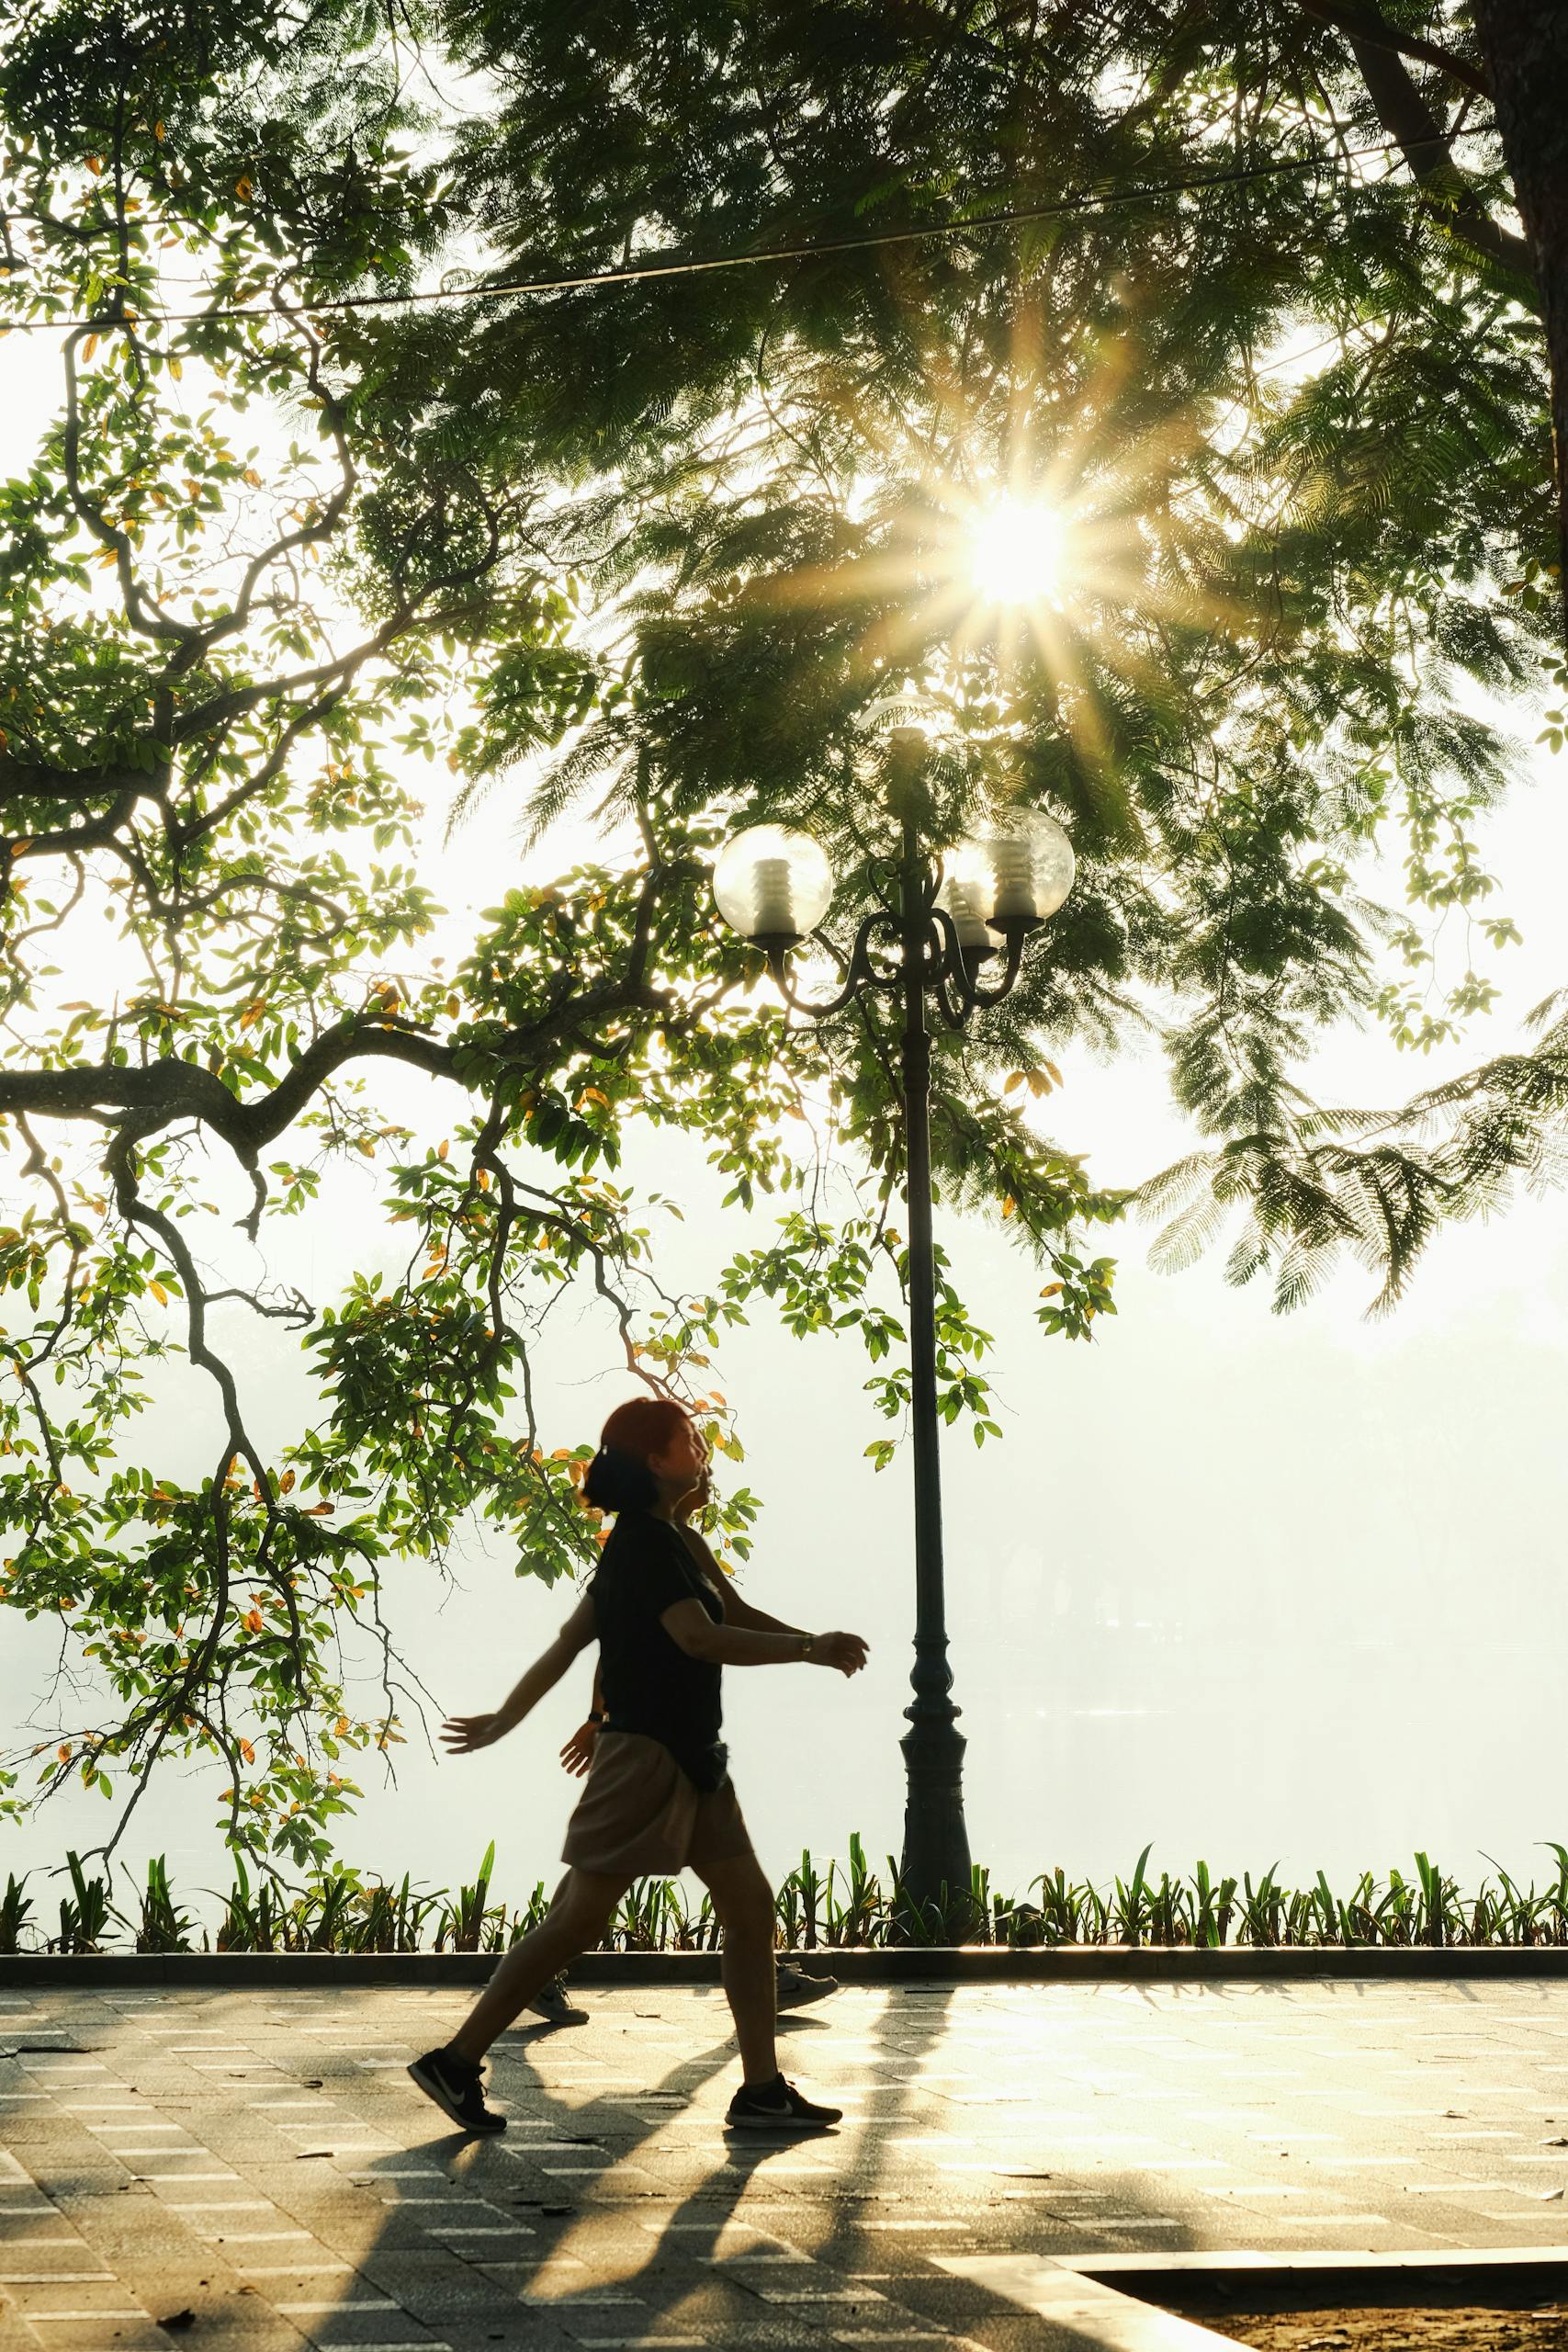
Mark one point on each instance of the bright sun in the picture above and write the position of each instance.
(1016, 549)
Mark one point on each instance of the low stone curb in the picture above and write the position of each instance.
(1075, 2302)
(1407, 2272)
(968, 1964)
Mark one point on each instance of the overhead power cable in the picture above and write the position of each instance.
(1078, 204)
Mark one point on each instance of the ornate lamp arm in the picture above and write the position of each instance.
(958, 992)
(981, 999)
(862, 972)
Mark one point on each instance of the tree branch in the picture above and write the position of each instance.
(27, 780)
(1370, 26)
(173, 1090)
(1410, 121)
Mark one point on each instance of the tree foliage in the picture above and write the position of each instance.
(677, 546)
(253, 579)
(1250, 308)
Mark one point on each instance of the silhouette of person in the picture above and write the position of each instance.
(796, 1988)
(658, 1796)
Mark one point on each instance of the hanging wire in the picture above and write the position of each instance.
(1080, 204)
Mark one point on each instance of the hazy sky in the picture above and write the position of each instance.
(1255, 1588)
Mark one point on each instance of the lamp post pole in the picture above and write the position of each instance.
(925, 936)
(936, 1839)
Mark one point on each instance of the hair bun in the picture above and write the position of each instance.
(617, 1481)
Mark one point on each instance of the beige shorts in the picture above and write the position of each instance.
(640, 1816)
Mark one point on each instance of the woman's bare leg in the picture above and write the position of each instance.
(577, 1917)
(744, 1902)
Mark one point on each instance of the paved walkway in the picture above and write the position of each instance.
(246, 2172)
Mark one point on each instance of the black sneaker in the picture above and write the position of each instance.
(778, 2106)
(796, 1988)
(457, 2086)
(553, 2003)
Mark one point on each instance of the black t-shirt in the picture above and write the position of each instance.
(649, 1683)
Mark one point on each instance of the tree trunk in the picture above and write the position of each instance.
(1526, 47)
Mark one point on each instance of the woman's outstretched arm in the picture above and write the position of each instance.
(462, 1734)
(691, 1629)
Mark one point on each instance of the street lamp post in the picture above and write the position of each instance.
(936, 1838)
(936, 923)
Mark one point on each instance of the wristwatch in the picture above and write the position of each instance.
(808, 1644)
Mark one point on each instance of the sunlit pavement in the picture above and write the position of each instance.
(260, 2163)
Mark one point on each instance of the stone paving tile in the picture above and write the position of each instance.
(262, 2159)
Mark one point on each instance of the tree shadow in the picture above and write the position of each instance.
(906, 2268)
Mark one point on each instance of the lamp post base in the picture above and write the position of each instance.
(935, 1869)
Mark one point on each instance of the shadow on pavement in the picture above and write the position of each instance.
(557, 2233)
(646, 2258)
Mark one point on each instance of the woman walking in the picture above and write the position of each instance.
(658, 1797)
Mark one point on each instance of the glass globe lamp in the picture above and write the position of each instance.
(1014, 872)
(773, 884)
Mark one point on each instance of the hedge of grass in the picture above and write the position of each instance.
(845, 1903)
